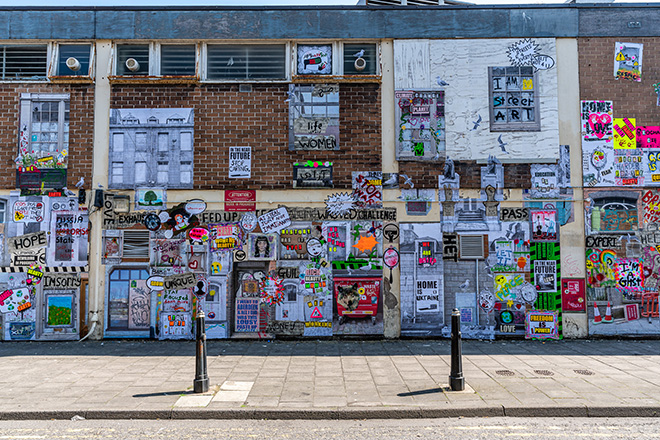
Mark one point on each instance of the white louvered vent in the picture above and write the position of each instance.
(177, 60)
(136, 244)
(23, 62)
(246, 61)
(471, 247)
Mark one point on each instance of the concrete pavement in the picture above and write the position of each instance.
(328, 379)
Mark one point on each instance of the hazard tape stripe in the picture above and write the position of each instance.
(20, 269)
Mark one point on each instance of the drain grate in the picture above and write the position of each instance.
(584, 372)
(505, 373)
(544, 372)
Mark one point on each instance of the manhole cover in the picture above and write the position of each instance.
(505, 373)
(584, 372)
(544, 372)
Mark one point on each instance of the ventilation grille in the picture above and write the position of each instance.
(23, 62)
(246, 61)
(471, 247)
(139, 52)
(136, 244)
(177, 60)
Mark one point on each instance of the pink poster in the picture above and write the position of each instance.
(648, 136)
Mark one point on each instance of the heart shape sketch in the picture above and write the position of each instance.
(599, 123)
(194, 264)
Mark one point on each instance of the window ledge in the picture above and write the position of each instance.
(71, 79)
(336, 78)
(150, 79)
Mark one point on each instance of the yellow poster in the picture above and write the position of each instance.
(624, 133)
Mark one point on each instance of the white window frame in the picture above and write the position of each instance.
(53, 73)
(49, 50)
(378, 58)
(26, 102)
(154, 60)
(514, 126)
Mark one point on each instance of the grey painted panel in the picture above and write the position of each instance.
(614, 22)
(543, 23)
(115, 25)
(51, 24)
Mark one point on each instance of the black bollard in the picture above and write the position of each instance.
(201, 382)
(456, 379)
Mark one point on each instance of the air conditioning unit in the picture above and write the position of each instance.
(132, 65)
(472, 247)
(73, 64)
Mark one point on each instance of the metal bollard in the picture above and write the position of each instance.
(456, 379)
(201, 382)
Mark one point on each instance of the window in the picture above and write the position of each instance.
(177, 60)
(74, 60)
(117, 173)
(314, 60)
(513, 99)
(122, 284)
(44, 129)
(3, 209)
(133, 59)
(360, 59)
(246, 61)
(314, 117)
(24, 62)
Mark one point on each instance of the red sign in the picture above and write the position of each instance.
(235, 200)
(357, 297)
(573, 295)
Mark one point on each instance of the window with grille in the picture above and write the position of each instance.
(133, 59)
(314, 117)
(246, 61)
(44, 129)
(360, 59)
(120, 283)
(177, 60)
(24, 62)
(81, 53)
(514, 99)
(136, 244)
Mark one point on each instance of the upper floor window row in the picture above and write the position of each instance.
(205, 61)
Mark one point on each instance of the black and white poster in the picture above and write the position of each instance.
(240, 162)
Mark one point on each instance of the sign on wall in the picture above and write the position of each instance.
(312, 174)
(573, 295)
(240, 162)
(247, 315)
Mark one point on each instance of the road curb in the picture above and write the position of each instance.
(337, 413)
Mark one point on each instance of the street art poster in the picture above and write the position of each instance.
(544, 225)
(28, 212)
(368, 189)
(541, 324)
(527, 52)
(318, 316)
(600, 264)
(225, 237)
(262, 247)
(59, 310)
(336, 236)
(168, 253)
(312, 174)
(596, 118)
(313, 117)
(314, 60)
(293, 242)
(545, 181)
(505, 287)
(629, 276)
(139, 305)
(359, 306)
(573, 295)
(628, 61)
(214, 304)
(648, 136)
(366, 239)
(427, 295)
(68, 244)
(628, 167)
(274, 221)
(625, 133)
(176, 300)
(15, 300)
(545, 275)
(598, 163)
(176, 325)
(247, 315)
(240, 162)
(150, 199)
(421, 124)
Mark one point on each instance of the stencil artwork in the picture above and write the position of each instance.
(526, 53)
(628, 61)
(420, 118)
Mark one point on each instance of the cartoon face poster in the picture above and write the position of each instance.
(628, 61)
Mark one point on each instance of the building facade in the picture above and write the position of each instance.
(319, 172)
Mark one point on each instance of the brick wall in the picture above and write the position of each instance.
(425, 174)
(81, 128)
(225, 117)
(630, 98)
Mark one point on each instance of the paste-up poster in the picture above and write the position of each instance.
(368, 189)
(598, 163)
(541, 324)
(596, 118)
(629, 276)
(625, 133)
(176, 325)
(240, 162)
(628, 61)
(628, 167)
(545, 275)
(544, 225)
(69, 238)
(139, 305)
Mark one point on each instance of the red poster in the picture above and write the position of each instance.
(235, 200)
(573, 295)
(357, 297)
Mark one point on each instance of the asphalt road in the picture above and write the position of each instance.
(462, 428)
